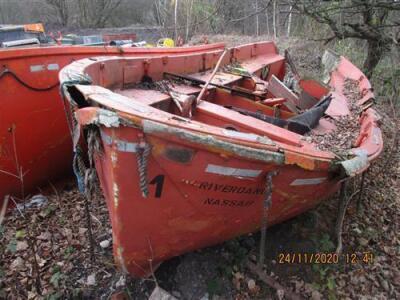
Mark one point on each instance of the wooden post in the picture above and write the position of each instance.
(264, 217)
(359, 199)
(343, 202)
(211, 77)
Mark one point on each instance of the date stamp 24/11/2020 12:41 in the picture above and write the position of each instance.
(325, 258)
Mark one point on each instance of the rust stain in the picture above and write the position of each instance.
(307, 163)
(157, 146)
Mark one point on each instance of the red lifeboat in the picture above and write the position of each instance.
(176, 181)
(35, 141)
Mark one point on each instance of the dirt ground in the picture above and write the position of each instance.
(46, 248)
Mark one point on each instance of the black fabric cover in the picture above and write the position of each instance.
(300, 124)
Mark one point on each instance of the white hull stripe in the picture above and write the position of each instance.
(53, 67)
(37, 68)
(40, 68)
(308, 181)
(122, 146)
(235, 172)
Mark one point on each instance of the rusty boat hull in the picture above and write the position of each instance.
(34, 137)
(174, 184)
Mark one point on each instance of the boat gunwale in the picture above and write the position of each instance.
(370, 129)
(65, 50)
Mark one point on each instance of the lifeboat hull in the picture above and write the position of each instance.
(196, 198)
(175, 184)
(35, 141)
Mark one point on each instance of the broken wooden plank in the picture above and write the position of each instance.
(278, 89)
(199, 82)
(274, 101)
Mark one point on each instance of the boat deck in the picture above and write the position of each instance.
(216, 108)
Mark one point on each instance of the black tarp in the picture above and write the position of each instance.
(300, 124)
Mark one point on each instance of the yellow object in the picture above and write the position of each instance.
(38, 27)
(166, 42)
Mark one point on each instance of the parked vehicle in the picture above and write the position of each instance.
(22, 35)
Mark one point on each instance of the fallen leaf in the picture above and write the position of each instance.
(121, 282)
(17, 264)
(251, 284)
(19, 234)
(21, 246)
(91, 279)
(44, 236)
(280, 294)
(315, 295)
(105, 244)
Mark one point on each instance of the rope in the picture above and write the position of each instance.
(86, 176)
(18, 79)
(79, 169)
(78, 164)
(93, 141)
(90, 178)
(142, 161)
(268, 190)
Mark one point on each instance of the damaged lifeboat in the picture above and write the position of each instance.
(184, 164)
(35, 143)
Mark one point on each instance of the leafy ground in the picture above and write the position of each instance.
(46, 248)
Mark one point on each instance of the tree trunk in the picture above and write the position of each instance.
(63, 12)
(375, 51)
(83, 18)
(188, 19)
(278, 19)
(257, 21)
(274, 19)
(176, 21)
(289, 21)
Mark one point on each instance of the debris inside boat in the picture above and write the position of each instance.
(347, 129)
(192, 150)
